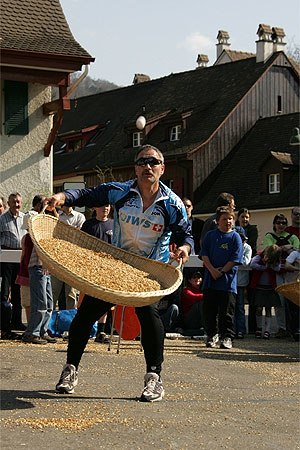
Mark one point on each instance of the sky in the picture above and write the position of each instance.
(159, 37)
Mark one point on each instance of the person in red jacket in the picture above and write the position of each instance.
(192, 303)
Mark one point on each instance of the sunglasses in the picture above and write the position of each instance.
(297, 214)
(281, 223)
(151, 161)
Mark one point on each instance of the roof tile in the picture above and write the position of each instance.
(37, 26)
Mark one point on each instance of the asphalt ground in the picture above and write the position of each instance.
(243, 398)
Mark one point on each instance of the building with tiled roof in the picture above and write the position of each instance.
(38, 52)
(263, 155)
(197, 118)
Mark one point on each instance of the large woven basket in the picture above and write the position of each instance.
(290, 291)
(44, 226)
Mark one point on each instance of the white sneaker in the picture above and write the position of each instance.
(68, 380)
(153, 390)
(226, 343)
(212, 341)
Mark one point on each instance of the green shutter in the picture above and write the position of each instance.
(16, 107)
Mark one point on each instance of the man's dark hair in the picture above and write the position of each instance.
(14, 195)
(224, 199)
(37, 199)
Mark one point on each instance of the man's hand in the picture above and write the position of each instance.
(182, 253)
(55, 200)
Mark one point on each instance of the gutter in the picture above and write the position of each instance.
(58, 107)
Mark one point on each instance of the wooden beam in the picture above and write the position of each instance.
(53, 133)
(45, 77)
(56, 105)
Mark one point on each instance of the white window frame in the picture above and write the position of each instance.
(175, 133)
(137, 138)
(274, 183)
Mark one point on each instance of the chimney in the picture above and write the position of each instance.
(277, 36)
(223, 43)
(202, 61)
(264, 44)
(140, 78)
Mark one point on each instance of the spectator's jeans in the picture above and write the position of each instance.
(41, 301)
(169, 317)
(91, 309)
(70, 294)
(218, 311)
(239, 316)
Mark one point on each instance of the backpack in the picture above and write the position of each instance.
(61, 320)
(281, 240)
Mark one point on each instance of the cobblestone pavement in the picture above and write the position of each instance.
(244, 398)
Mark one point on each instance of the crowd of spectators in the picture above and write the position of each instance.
(196, 307)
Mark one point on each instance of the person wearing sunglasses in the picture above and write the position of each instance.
(146, 214)
(287, 242)
(295, 217)
(197, 224)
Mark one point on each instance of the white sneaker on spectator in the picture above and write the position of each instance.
(212, 341)
(226, 343)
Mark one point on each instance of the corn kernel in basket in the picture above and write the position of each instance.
(99, 268)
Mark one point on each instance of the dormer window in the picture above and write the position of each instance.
(137, 139)
(274, 183)
(175, 133)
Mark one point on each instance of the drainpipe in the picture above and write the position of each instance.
(60, 110)
(78, 81)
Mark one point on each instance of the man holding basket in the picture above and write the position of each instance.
(146, 213)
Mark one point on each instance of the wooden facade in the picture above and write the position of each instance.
(277, 87)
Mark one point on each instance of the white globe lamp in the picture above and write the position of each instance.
(140, 122)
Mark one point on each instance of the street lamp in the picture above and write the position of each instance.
(140, 122)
